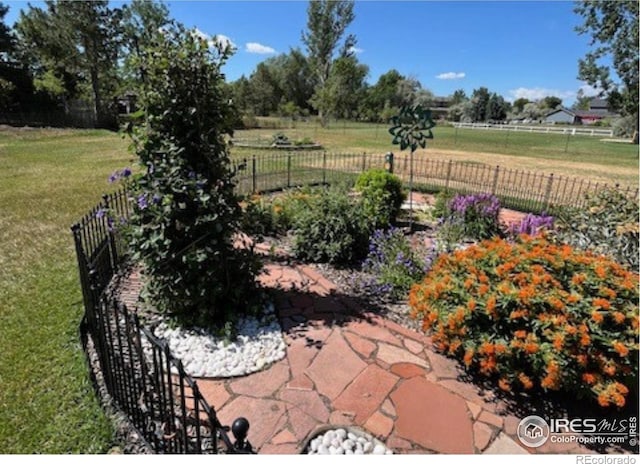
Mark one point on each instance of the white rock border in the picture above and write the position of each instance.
(345, 440)
(259, 344)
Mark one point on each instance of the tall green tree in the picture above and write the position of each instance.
(327, 22)
(613, 28)
(344, 89)
(73, 48)
(458, 96)
(141, 20)
(7, 45)
(518, 104)
(551, 102)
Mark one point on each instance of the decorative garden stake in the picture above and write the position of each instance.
(411, 128)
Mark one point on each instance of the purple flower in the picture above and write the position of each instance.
(532, 224)
(156, 198)
(101, 213)
(126, 172)
(113, 177)
(142, 201)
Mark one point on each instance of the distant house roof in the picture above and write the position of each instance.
(599, 103)
(560, 109)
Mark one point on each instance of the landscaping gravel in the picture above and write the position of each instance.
(259, 343)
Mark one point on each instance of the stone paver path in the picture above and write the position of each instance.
(348, 367)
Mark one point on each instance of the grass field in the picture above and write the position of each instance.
(50, 178)
(579, 156)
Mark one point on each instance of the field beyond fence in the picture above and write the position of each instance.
(517, 189)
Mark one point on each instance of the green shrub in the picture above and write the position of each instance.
(273, 215)
(382, 196)
(608, 225)
(534, 315)
(440, 208)
(333, 228)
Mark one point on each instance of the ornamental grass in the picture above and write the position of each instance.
(535, 316)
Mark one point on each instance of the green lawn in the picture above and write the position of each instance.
(48, 179)
(578, 156)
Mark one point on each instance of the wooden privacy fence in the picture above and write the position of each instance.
(517, 189)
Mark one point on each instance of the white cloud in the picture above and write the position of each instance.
(255, 47)
(451, 75)
(221, 39)
(589, 90)
(355, 50)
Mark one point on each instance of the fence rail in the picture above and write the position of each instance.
(139, 372)
(539, 129)
(517, 189)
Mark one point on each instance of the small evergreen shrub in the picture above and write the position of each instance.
(382, 196)
(333, 228)
(392, 265)
(440, 208)
(534, 315)
(608, 225)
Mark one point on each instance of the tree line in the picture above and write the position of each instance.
(88, 51)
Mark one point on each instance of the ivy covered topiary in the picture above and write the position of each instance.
(186, 212)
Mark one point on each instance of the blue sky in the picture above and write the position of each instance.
(516, 48)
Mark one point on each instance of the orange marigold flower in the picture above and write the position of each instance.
(491, 306)
(500, 348)
(531, 347)
(504, 385)
(468, 357)
(585, 340)
(607, 292)
(620, 348)
(526, 382)
(618, 317)
(573, 298)
(571, 330)
(582, 359)
(578, 279)
(518, 314)
(487, 348)
(597, 317)
(558, 341)
(601, 303)
(600, 271)
(556, 303)
(520, 334)
(471, 304)
(589, 378)
(609, 369)
(603, 399)
(483, 289)
(468, 283)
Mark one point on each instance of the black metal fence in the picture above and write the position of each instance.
(517, 189)
(139, 372)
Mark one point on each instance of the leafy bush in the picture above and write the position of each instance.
(304, 141)
(624, 126)
(280, 139)
(274, 215)
(333, 228)
(608, 225)
(186, 213)
(382, 196)
(535, 315)
(392, 265)
(477, 214)
(440, 208)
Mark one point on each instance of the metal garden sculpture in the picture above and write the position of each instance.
(411, 128)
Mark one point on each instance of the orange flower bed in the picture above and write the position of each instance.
(535, 315)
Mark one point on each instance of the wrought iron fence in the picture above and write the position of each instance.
(517, 189)
(139, 372)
